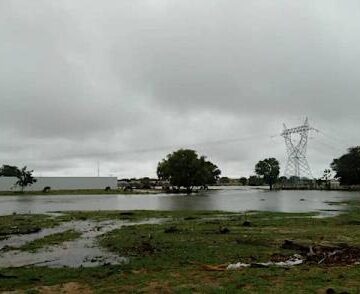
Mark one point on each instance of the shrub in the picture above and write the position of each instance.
(46, 189)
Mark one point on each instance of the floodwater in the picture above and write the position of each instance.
(223, 198)
(83, 251)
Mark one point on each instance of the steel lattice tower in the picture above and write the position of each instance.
(297, 164)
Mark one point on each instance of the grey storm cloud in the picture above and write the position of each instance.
(123, 83)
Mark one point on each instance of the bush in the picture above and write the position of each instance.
(128, 188)
(46, 189)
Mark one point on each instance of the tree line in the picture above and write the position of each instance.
(185, 170)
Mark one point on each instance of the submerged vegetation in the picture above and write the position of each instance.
(50, 240)
(189, 253)
(25, 223)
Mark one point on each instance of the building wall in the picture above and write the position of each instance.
(61, 183)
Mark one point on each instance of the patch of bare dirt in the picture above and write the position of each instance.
(68, 288)
(157, 287)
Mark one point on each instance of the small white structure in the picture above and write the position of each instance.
(334, 184)
(61, 183)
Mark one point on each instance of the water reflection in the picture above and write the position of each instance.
(202, 201)
(229, 199)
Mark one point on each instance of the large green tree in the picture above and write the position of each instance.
(185, 169)
(347, 167)
(269, 169)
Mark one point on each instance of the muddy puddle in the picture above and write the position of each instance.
(82, 252)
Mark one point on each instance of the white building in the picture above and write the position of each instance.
(61, 183)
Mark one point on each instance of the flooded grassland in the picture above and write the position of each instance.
(181, 251)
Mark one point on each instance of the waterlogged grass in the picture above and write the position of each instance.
(137, 215)
(25, 223)
(218, 241)
(50, 240)
(172, 257)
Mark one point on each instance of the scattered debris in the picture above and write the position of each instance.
(170, 230)
(146, 248)
(332, 291)
(127, 213)
(288, 244)
(238, 265)
(190, 218)
(246, 224)
(340, 254)
(292, 261)
(224, 230)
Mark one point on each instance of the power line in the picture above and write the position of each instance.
(332, 141)
(330, 146)
(167, 147)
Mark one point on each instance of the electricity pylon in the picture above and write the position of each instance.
(297, 164)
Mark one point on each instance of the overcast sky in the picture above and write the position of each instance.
(125, 82)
